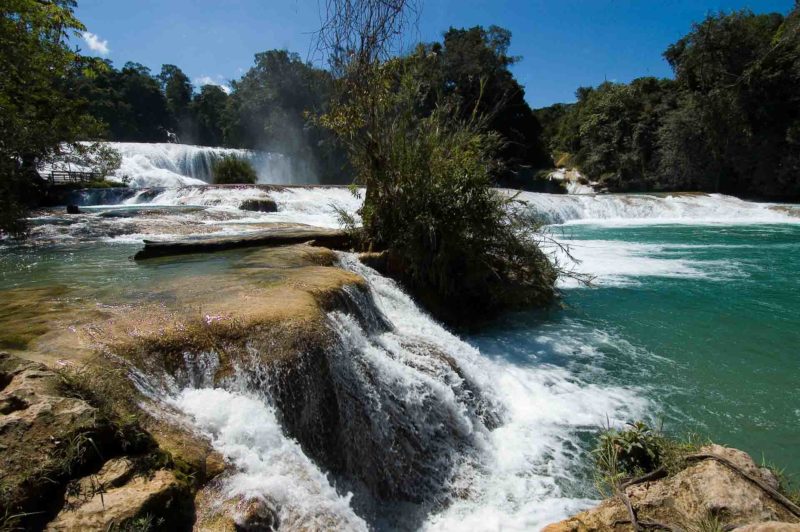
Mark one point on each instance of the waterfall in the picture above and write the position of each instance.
(175, 165)
(317, 206)
(398, 424)
(637, 209)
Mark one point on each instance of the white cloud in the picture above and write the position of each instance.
(95, 43)
(218, 81)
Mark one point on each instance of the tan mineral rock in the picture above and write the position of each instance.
(703, 492)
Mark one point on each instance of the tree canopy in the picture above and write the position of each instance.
(728, 122)
(38, 115)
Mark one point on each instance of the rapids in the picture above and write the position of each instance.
(489, 431)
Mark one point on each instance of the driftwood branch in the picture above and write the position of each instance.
(633, 519)
(652, 475)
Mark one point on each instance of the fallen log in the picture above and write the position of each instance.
(279, 236)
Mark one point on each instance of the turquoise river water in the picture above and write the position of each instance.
(691, 321)
(703, 320)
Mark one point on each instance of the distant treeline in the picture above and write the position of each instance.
(274, 104)
(268, 108)
(729, 122)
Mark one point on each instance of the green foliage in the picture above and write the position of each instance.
(231, 170)
(270, 108)
(130, 102)
(177, 91)
(728, 123)
(38, 116)
(630, 452)
(469, 71)
(637, 450)
(208, 109)
(787, 485)
(454, 240)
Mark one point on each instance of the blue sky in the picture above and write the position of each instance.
(564, 44)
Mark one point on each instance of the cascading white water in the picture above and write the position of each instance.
(174, 165)
(318, 206)
(516, 484)
(483, 443)
(639, 209)
(269, 466)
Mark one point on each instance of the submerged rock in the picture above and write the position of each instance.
(706, 491)
(259, 205)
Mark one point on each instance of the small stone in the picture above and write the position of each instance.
(259, 205)
(257, 516)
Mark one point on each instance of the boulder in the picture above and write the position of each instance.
(259, 205)
(104, 506)
(43, 436)
(707, 489)
(55, 466)
(215, 513)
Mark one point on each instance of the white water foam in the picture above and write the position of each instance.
(529, 457)
(620, 263)
(642, 209)
(316, 206)
(230, 197)
(176, 165)
(268, 464)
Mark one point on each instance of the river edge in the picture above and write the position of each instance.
(157, 317)
(128, 354)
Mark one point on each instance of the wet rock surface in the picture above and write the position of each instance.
(259, 205)
(279, 236)
(216, 513)
(61, 466)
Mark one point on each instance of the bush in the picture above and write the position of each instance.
(458, 244)
(639, 450)
(631, 452)
(230, 170)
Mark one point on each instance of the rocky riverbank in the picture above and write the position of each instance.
(721, 489)
(87, 444)
(94, 437)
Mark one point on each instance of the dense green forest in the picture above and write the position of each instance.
(728, 122)
(273, 105)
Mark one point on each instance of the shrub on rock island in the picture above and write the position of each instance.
(232, 170)
(461, 246)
